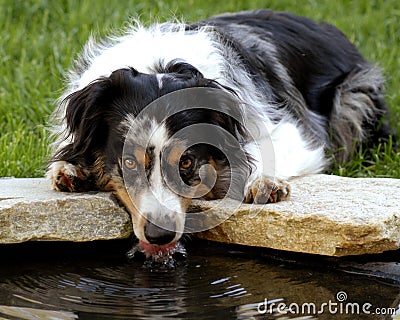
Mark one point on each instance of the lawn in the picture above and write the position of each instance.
(40, 39)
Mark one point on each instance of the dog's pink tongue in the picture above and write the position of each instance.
(152, 250)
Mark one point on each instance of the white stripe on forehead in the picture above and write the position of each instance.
(157, 142)
(158, 136)
(159, 77)
(144, 131)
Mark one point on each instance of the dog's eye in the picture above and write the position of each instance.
(185, 164)
(130, 164)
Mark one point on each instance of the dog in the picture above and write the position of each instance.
(276, 96)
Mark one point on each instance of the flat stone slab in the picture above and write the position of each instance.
(30, 210)
(326, 215)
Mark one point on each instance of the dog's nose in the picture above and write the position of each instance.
(158, 235)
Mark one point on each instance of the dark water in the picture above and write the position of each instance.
(97, 281)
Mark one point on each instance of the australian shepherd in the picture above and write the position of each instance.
(232, 106)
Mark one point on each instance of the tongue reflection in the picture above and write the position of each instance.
(158, 253)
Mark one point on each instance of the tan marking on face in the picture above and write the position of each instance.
(146, 160)
(185, 202)
(174, 155)
(215, 192)
(201, 191)
(138, 221)
(141, 156)
(212, 162)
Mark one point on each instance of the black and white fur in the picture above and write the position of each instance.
(298, 83)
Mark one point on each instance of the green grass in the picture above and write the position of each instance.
(40, 39)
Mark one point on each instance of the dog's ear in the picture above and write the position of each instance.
(85, 119)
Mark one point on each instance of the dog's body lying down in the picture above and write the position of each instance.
(299, 85)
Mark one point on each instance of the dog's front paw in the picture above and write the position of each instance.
(267, 190)
(67, 177)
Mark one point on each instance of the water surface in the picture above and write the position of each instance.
(97, 281)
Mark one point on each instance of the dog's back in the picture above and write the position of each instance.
(313, 71)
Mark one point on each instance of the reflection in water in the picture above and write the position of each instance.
(96, 281)
(30, 313)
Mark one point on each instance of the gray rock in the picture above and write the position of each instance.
(325, 215)
(29, 210)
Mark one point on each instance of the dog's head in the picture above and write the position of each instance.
(161, 140)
